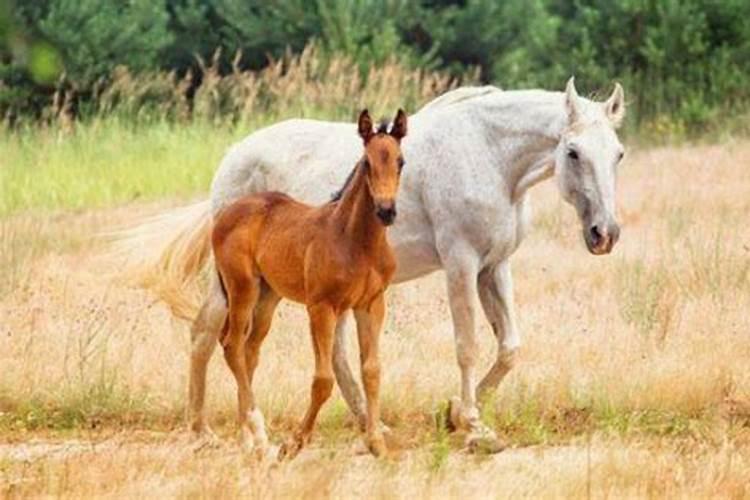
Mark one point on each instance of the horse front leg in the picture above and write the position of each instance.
(496, 295)
(462, 269)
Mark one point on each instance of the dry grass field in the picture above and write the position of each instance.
(633, 378)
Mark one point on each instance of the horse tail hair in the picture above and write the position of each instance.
(166, 254)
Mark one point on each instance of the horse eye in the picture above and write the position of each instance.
(401, 163)
(573, 154)
(620, 156)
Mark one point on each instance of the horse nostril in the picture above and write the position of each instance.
(596, 235)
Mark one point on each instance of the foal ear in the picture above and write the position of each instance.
(364, 125)
(571, 101)
(614, 107)
(398, 130)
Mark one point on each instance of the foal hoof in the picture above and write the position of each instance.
(376, 446)
(204, 439)
(290, 449)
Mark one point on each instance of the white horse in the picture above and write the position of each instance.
(471, 156)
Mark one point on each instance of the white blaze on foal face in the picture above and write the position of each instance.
(586, 163)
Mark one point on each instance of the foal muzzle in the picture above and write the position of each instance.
(386, 212)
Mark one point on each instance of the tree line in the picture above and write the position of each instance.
(685, 64)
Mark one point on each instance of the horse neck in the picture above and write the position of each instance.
(356, 211)
(523, 129)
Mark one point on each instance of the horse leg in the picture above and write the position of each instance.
(369, 326)
(496, 294)
(261, 325)
(203, 335)
(322, 324)
(349, 388)
(462, 274)
(243, 292)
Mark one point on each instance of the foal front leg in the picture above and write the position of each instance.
(322, 324)
(369, 326)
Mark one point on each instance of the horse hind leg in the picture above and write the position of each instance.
(204, 334)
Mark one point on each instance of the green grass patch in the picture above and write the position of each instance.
(107, 162)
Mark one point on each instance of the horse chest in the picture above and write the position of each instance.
(505, 230)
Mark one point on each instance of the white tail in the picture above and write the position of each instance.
(166, 253)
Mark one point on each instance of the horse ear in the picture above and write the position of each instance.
(571, 100)
(364, 125)
(399, 125)
(614, 107)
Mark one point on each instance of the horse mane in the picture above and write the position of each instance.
(458, 95)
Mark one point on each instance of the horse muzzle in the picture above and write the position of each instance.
(601, 238)
(386, 212)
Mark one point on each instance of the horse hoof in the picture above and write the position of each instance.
(484, 442)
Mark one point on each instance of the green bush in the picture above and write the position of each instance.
(684, 62)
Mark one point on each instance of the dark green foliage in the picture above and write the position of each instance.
(685, 64)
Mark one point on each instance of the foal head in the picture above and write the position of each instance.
(383, 162)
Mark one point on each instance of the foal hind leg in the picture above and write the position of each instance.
(203, 335)
(322, 324)
(261, 325)
(243, 290)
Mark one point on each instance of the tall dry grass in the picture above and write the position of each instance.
(633, 377)
(155, 135)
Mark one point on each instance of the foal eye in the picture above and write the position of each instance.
(620, 156)
(401, 163)
(573, 154)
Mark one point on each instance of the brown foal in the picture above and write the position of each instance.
(331, 258)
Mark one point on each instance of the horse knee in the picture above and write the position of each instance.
(508, 357)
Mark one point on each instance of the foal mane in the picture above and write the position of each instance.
(382, 129)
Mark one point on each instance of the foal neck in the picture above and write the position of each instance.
(356, 210)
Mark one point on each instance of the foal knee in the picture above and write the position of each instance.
(322, 387)
(370, 372)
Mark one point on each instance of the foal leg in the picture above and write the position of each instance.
(349, 388)
(369, 326)
(261, 325)
(322, 324)
(203, 335)
(496, 294)
(243, 292)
